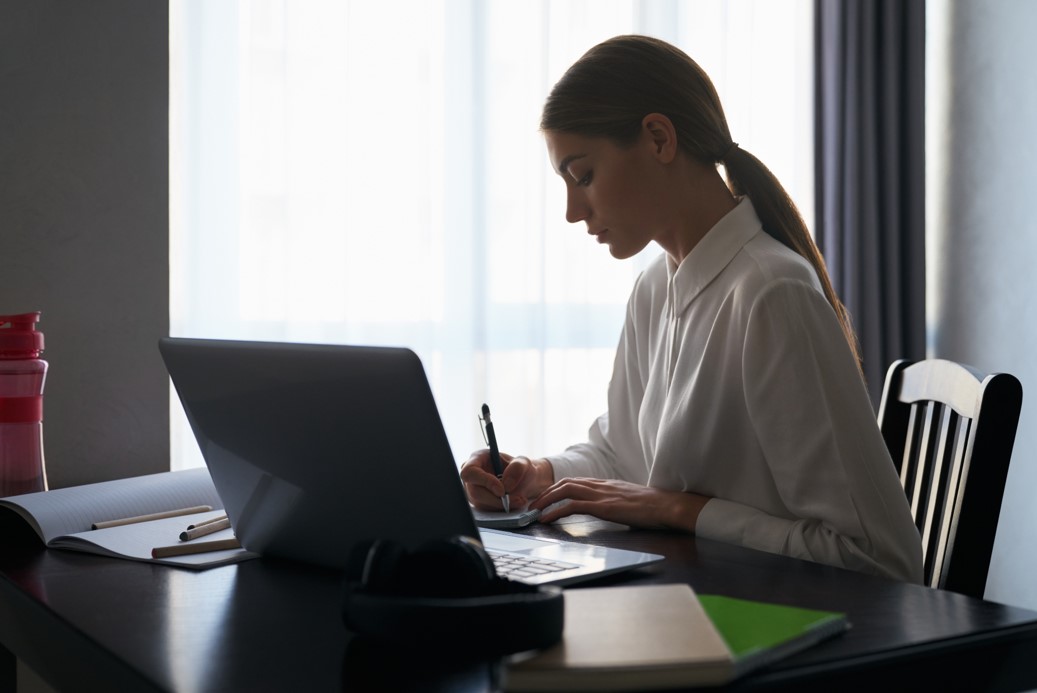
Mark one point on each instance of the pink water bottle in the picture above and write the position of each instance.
(22, 372)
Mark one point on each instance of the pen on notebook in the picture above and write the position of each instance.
(205, 528)
(151, 516)
(491, 440)
(195, 547)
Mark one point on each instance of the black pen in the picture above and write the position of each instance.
(491, 440)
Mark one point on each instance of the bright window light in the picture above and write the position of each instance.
(370, 172)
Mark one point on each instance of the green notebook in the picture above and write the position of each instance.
(758, 633)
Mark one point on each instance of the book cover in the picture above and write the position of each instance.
(648, 637)
(758, 633)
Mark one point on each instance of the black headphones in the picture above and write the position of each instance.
(446, 595)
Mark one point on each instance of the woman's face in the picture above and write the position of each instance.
(614, 189)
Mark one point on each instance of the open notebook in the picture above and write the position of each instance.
(314, 448)
(65, 518)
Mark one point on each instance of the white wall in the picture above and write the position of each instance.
(84, 223)
(982, 233)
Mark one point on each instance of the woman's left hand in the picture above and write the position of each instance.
(621, 501)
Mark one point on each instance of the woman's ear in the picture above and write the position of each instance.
(660, 134)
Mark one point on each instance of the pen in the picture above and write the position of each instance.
(491, 440)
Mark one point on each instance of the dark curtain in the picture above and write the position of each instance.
(870, 171)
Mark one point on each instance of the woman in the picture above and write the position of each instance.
(736, 409)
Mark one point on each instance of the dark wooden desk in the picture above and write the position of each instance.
(90, 623)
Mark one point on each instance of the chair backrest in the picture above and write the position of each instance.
(950, 431)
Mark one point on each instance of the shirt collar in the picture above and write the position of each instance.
(713, 253)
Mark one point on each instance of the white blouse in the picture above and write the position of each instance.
(733, 380)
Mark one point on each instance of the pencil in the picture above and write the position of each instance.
(206, 522)
(195, 547)
(205, 528)
(151, 516)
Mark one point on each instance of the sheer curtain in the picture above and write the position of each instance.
(370, 172)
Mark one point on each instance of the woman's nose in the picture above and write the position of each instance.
(576, 208)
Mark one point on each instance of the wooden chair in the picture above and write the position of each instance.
(950, 431)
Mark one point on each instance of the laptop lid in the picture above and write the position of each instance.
(314, 448)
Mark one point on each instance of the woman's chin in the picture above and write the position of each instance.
(623, 252)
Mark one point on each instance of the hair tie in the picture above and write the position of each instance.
(730, 150)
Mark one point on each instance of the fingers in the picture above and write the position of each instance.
(479, 459)
(486, 496)
(516, 473)
(571, 488)
(482, 486)
(572, 496)
(620, 501)
(560, 510)
(485, 490)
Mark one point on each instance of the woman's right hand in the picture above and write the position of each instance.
(523, 480)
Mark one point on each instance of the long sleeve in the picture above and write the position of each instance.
(811, 414)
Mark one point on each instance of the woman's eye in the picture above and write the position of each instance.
(585, 179)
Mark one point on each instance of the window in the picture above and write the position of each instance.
(370, 172)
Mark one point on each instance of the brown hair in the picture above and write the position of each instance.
(608, 92)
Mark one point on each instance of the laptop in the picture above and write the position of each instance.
(315, 448)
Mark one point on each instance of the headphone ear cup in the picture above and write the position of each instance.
(355, 562)
(482, 564)
(382, 573)
(457, 567)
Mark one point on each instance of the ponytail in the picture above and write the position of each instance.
(608, 91)
(747, 175)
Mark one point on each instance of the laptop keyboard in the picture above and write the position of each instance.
(517, 565)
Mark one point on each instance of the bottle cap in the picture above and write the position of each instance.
(19, 338)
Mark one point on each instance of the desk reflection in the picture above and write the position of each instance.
(371, 666)
(195, 621)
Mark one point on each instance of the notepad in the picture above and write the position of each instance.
(648, 637)
(62, 518)
(503, 520)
